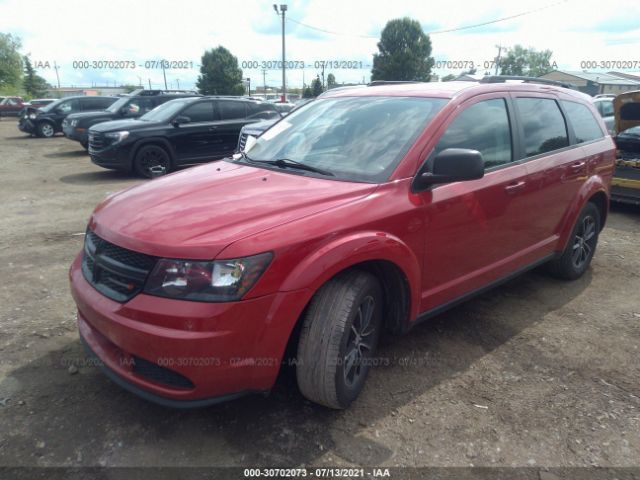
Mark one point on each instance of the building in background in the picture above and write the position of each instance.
(596, 83)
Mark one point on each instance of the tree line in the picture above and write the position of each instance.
(17, 75)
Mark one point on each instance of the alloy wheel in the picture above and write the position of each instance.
(584, 242)
(360, 342)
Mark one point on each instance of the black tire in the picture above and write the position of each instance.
(336, 341)
(85, 145)
(148, 157)
(45, 130)
(577, 255)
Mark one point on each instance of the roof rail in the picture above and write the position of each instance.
(544, 81)
(144, 93)
(390, 82)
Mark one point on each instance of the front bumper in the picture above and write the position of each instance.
(222, 350)
(27, 126)
(114, 157)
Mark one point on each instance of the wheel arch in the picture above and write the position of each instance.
(144, 142)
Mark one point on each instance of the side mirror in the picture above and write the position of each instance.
(179, 120)
(452, 165)
(124, 111)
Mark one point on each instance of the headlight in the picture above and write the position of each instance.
(217, 281)
(74, 123)
(33, 116)
(117, 136)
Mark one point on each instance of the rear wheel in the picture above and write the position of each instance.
(85, 145)
(339, 336)
(576, 258)
(152, 161)
(45, 130)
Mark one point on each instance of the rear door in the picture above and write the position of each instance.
(476, 230)
(233, 116)
(556, 169)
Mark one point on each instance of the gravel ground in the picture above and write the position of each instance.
(538, 372)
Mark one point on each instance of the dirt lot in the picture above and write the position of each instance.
(536, 373)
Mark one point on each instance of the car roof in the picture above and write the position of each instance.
(448, 89)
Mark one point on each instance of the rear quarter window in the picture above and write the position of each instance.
(543, 125)
(583, 122)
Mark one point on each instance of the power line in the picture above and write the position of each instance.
(449, 30)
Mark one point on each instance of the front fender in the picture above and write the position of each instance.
(347, 251)
(594, 185)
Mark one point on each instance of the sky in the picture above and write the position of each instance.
(140, 32)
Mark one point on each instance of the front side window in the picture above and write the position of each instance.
(485, 127)
(583, 122)
(543, 124)
(140, 106)
(355, 138)
(68, 107)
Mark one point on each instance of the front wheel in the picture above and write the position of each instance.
(152, 161)
(577, 255)
(339, 336)
(45, 130)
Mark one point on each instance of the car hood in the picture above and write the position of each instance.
(633, 132)
(196, 213)
(117, 125)
(91, 115)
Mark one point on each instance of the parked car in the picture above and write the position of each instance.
(137, 103)
(604, 105)
(366, 212)
(47, 121)
(626, 181)
(10, 106)
(284, 107)
(180, 132)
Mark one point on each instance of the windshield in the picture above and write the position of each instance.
(164, 112)
(118, 104)
(355, 138)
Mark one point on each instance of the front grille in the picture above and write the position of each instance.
(97, 141)
(242, 142)
(156, 373)
(114, 271)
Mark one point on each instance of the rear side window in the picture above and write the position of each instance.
(261, 111)
(543, 124)
(605, 107)
(94, 103)
(231, 110)
(583, 122)
(199, 112)
(483, 126)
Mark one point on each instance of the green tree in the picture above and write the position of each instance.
(10, 63)
(316, 86)
(526, 61)
(130, 88)
(404, 52)
(34, 85)
(331, 81)
(219, 73)
(450, 77)
(307, 93)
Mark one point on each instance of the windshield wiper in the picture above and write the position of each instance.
(288, 163)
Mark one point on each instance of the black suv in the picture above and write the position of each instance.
(133, 105)
(180, 132)
(47, 121)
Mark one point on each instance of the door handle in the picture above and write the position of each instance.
(214, 127)
(576, 167)
(514, 187)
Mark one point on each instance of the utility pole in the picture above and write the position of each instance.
(149, 83)
(323, 76)
(249, 81)
(498, 58)
(283, 9)
(164, 75)
(264, 82)
(55, 66)
(178, 81)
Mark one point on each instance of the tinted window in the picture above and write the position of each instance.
(261, 111)
(94, 103)
(606, 108)
(69, 106)
(483, 126)
(231, 110)
(199, 112)
(584, 124)
(543, 125)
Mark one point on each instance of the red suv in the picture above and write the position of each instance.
(366, 211)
